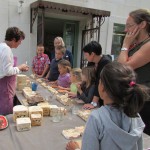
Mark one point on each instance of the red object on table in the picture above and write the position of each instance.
(3, 122)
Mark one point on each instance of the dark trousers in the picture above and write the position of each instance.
(16, 101)
(145, 115)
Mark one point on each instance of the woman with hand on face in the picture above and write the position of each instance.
(13, 39)
(135, 52)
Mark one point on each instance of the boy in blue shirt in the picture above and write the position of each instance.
(54, 73)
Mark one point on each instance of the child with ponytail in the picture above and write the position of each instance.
(64, 68)
(117, 122)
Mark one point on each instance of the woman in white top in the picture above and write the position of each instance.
(13, 39)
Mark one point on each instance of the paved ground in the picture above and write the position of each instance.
(146, 142)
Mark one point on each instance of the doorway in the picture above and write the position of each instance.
(66, 29)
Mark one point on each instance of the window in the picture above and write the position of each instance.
(117, 39)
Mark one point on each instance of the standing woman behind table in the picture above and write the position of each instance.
(13, 39)
(135, 52)
(58, 41)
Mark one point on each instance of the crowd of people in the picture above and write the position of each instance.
(119, 88)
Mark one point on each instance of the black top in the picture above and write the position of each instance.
(54, 73)
(87, 94)
(143, 72)
(68, 56)
(103, 61)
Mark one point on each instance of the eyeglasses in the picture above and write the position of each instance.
(129, 25)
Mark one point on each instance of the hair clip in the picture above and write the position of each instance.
(132, 83)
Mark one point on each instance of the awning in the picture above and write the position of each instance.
(70, 8)
(64, 8)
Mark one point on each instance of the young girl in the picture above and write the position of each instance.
(86, 89)
(75, 78)
(64, 68)
(117, 122)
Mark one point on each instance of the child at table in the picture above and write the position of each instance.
(75, 78)
(117, 125)
(86, 88)
(64, 68)
(54, 73)
(41, 62)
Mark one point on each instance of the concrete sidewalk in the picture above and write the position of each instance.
(146, 141)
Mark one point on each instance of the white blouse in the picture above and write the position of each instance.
(7, 61)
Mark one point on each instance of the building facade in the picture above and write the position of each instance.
(77, 21)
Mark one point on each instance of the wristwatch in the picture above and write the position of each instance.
(124, 49)
(94, 104)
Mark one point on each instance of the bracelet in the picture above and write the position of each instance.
(94, 104)
(124, 49)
